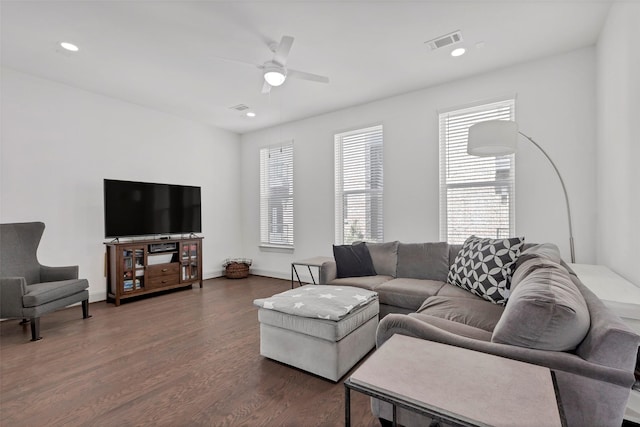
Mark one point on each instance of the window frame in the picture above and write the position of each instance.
(374, 136)
(503, 109)
(268, 172)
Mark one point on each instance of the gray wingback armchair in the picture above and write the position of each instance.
(28, 289)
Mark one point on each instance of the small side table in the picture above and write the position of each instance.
(456, 385)
(309, 262)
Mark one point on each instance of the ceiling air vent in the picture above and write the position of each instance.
(446, 40)
(239, 107)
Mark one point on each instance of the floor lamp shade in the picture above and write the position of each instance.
(499, 138)
(493, 138)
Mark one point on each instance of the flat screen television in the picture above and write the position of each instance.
(145, 208)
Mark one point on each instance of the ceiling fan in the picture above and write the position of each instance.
(275, 71)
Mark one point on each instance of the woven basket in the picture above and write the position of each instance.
(237, 270)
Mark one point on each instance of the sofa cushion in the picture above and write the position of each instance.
(546, 311)
(407, 293)
(353, 260)
(474, 311)
(454, 327)
(484, 266)
(384, 257)
(423, 261)
(449, 290)
(42, 293)
(365, 282)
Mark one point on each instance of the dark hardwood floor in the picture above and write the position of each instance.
(185, 358)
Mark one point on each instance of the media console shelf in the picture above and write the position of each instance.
(145, 266)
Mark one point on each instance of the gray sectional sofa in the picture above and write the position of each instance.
(590, 350)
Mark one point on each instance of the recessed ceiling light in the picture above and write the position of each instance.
(69, 46)
(458, 52)
(251, 114)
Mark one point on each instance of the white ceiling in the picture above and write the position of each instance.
(167, 55)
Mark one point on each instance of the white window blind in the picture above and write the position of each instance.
(476, 193)
(276, 195)
(359, 185)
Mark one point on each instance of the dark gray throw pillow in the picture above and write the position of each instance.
(484, 267)
(353, 260)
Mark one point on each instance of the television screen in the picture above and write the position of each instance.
(144, 208)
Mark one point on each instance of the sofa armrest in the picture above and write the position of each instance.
(328, 272)
(555, 360)
(55, 274)
(12, 290)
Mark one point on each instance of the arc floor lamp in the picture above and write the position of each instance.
(499, 138)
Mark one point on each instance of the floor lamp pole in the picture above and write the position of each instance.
(566, 197)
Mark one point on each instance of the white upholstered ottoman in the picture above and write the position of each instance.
(324, 330)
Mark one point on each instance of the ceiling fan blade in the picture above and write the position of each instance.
(282, 51)
(266, 88)
(307, 76)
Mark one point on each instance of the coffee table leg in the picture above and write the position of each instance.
(395, 415)
(347, 406)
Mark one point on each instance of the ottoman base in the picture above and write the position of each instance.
(327, 359)
(323, 347)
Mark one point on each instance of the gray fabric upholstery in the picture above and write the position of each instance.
(19, 248)
(476, 312)
(28, 289)
(42, 293)
(365, 282)
(546, 311)
(609, 341)
(454, 327)
(384, 257)
(423, 261)
(544, 250)
(449, 290)
(407, 293)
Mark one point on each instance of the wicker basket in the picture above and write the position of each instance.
(237, 270)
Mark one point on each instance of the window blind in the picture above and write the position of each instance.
(359, 186)
(276, 195)
(476, 193)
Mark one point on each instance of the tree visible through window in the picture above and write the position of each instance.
(359, 185)
(276, 195)
(476, 193)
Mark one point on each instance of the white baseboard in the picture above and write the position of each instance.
(270, 273)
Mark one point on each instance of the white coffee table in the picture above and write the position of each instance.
(456, 385)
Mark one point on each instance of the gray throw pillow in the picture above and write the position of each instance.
(484, 266)
(546, 311)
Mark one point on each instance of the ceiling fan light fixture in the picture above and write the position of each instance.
(274, 75)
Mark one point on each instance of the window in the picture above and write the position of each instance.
(358, 179)
(476, 193)
(276, 195)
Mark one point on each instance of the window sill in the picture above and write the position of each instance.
(276, 248)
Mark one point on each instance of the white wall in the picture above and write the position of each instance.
(59, 143)
(555, 105)
(618, 146)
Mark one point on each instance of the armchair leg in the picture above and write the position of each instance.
(85, 309)
(35, 329)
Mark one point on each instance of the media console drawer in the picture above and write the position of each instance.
(162, 281)
(160, 270)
